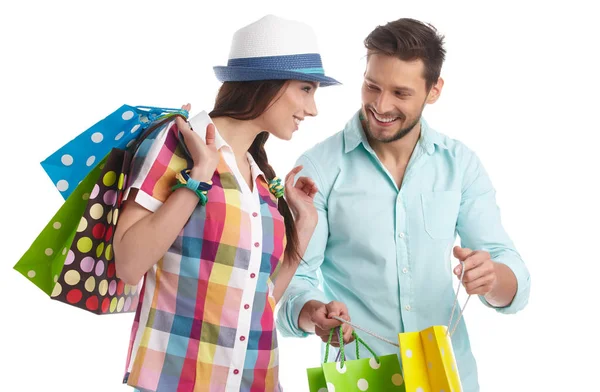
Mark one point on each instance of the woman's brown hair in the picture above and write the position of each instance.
(247, 101)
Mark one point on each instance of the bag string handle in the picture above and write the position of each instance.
(449, 331)
(341, 354)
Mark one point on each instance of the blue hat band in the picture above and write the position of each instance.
(304, 63)
(318, 71)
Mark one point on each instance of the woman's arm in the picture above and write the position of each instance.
(143, 237)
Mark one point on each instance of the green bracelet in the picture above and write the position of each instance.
(199, 188)
(201, 194)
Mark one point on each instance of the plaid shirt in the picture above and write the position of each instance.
(205, 321)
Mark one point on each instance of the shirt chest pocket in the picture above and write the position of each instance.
(440, 212)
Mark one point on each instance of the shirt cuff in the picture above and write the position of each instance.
(289, 312)
(142, 198)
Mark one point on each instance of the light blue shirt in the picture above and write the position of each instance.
(386, 252)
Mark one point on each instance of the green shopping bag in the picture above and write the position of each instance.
(378, 374)
(72, 259)
(316, 380)
(45, 258)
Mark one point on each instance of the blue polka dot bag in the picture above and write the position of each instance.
(69, 165)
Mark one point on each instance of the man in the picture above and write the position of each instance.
(393, 194)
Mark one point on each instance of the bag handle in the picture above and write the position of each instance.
(155, 125)
(155, 113)
(147, 132)
(357, 340)
(365, 330)
(449, 331)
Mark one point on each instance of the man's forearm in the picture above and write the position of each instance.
(505, 289)
(305, 319)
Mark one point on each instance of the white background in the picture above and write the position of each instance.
(521, 90)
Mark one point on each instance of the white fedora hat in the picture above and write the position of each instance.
(274, 48)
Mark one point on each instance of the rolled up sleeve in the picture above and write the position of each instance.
(480, 227)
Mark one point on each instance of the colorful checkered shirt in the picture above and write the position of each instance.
(205, 321)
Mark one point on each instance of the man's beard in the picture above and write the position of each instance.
(400, 133)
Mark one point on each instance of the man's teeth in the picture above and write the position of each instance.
(297, 121)
(384, 119)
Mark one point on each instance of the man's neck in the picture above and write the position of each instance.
(398, 152)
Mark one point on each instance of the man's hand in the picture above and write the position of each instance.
(483, 276)
(480, 272)
(318, 317)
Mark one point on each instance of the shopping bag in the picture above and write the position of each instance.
(72, 259)
(69, 165)
(316, 380)
(44, 260)
(427, 357)
(378, 373)
(428, 360)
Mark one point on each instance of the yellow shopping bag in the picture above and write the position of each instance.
(427, 357)
(428, 360)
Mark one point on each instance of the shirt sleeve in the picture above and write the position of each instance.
(480, 228)
(154, 166)
(305, 283)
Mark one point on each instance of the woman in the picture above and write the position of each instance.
(205, 321)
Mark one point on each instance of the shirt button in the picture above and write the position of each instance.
(407, 307)
(242, 338)
(405, 270)
(254, 214)
(256, 244)
(236, 371)
(253, 275)
(246, 306)
(401, 235)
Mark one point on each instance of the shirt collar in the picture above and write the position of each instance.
(256, 171)
(355, 135)
(199, 123)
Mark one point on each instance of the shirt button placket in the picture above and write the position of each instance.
(402, 254)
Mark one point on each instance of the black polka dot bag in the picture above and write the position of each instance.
(72, 259)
